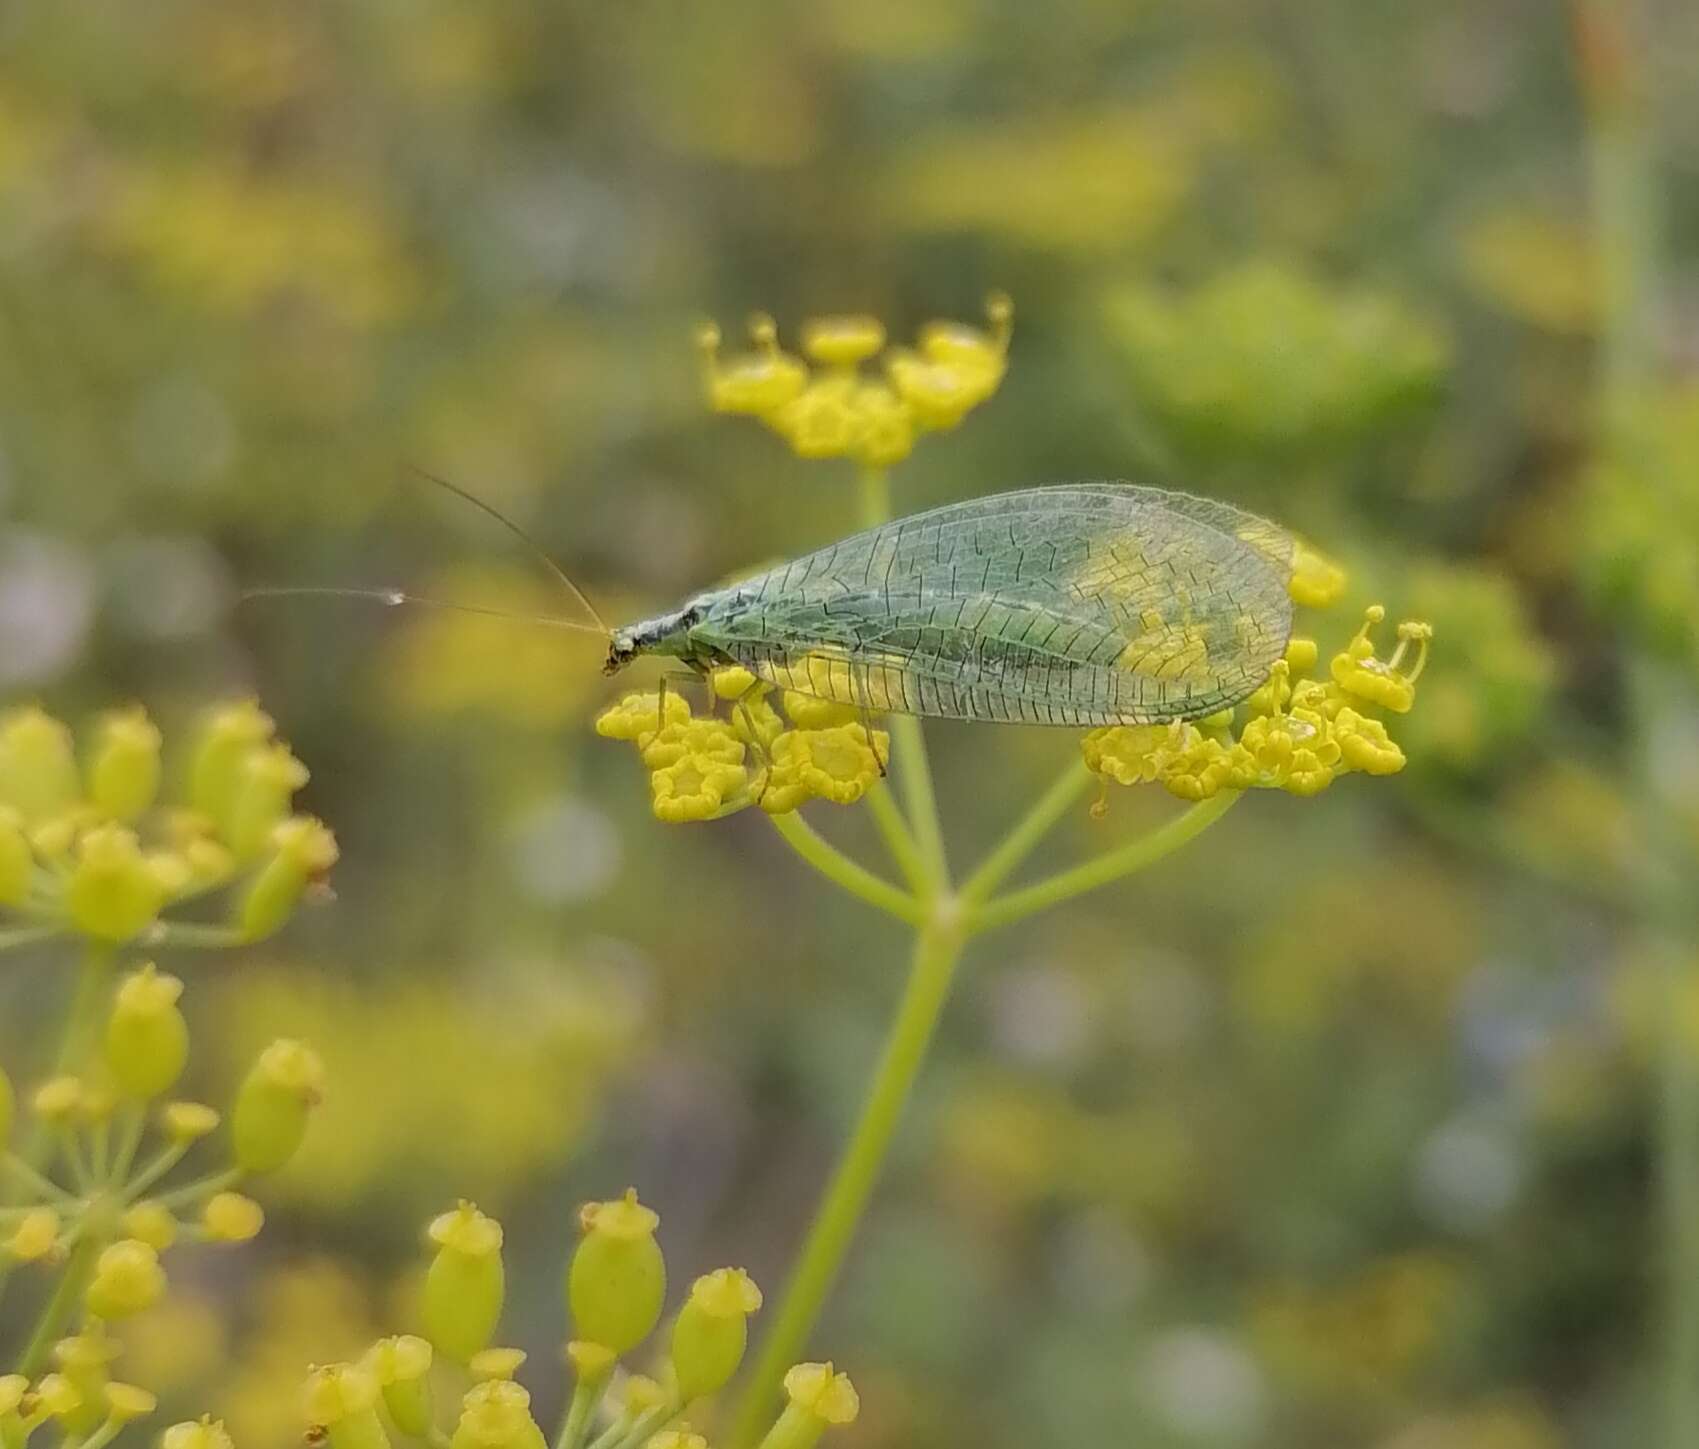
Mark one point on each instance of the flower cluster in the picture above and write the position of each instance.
(701, 768)
(1299, 734)
(90, 1201)
(614, 1290)
(88, 848)
(834, 410)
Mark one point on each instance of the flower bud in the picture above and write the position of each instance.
(34, 1237)
(85, 1360)
(17, 860)
(227, 738)
(618, 1280)
(303, 849)
(150, 1222)
(712, 1331)
(114, 892)
(268, 780)
(38, 765)
(819, 1399)
(188, 1121)
(270, 1116)
(496, 1415)
(228, 1217)
(58, 1396)
(203, 1433)
(127, 1280)
(591, 1362)
(124, 773)
(125, 1402)
(58, 1100)
(147, 1040)
(13, 1387)
(496, 1363)
(341, 1398)
(465, 1285)
(402, 1367)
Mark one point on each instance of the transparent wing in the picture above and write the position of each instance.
(1085, 604)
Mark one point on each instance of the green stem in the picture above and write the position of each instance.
(1111, 865)
(213, 1182)
(57, 1312)
(897, 837)
(88, 1000)
(938, 949)
(42, 1186)
(839, 868)
(1019, 843)
(914, 770)
(169, 1156)
(585, 1397)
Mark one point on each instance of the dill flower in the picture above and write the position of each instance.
(465, 1284)
(99, 853)
(617, 1280)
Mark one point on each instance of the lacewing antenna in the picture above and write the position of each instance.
(489, 510)
(395, 598)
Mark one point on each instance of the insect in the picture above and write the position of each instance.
(1080, 604)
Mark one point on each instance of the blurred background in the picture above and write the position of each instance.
(1341, 1127)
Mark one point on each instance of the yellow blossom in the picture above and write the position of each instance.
(1317, 581)
(1131, 754)
(838, 764)
(1197, 771)
(711, 739)
(637, 715)
(758, 382)
(1358, 671)
(695, 787)
(1365, 744)
(842, 341)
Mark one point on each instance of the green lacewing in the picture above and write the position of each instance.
(1079, 604)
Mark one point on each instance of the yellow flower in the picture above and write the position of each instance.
(828, 1396)
(229, 1217)
(1129, 754)
(842, 341)
(637, 715)
(1197, 771)
(695, 787)
(759, 382)
(1359, 672)
(838, 764)
(884, 426)
(822, 421)
(1317, 581)
(733, 682)
(710, 739)
(810, 712)
(1365, 744)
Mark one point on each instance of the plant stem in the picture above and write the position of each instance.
(1111, 865)
(937, 950)
(1032, 828)
(585, 1396)
(94, 977)
(840, 869)
(895, 832)
(60, 1306)
(914, 770)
